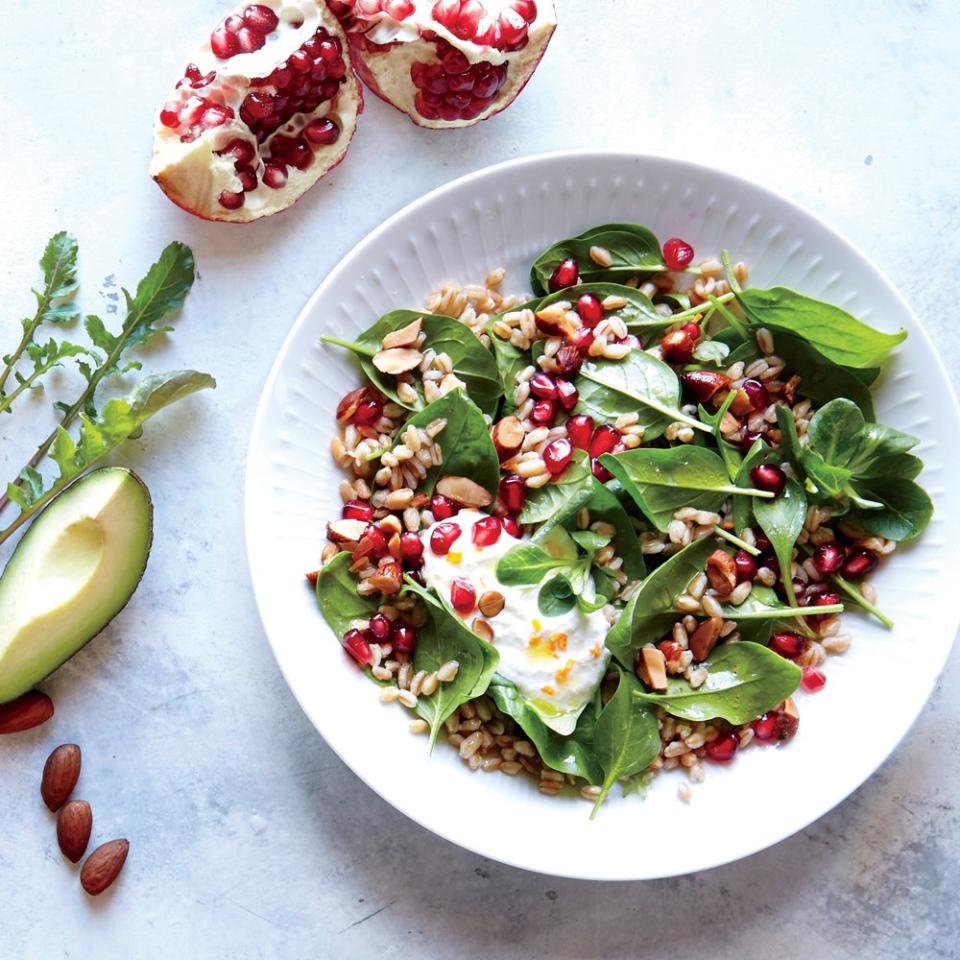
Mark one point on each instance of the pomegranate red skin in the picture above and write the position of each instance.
(746, 566)
(380, 628)
(724, 748)
(463, 596)
(404, 639)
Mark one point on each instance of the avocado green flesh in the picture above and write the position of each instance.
(71, 574)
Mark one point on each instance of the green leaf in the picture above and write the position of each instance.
(464, 442)
(743, 681)
(510, 360)
(781, 519)
(572, 754)
(638, 313)
(830, 330)
(634, 250)
(626, 737)
(527, 564)
(906, 512)
(59, 265)
(337, 595)
(605, 506)
(472, 362)
(764, 604)
(731, 455)
(656, 599)
(661, 481)
(743, 506)
(567, 493)
(790, 450)
(556, 597)
(639, 383)
(712, 351)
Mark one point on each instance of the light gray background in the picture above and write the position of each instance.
(249, 837)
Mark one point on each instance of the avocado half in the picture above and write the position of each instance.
(71, 574)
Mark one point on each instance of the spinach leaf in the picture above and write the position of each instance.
(781, 519)
(764, 604)
(640, 383)
(830, 330)
(337, 595)
(822, 380)
(527, 563)
(655, 600)
(743, 681)
(556, 597)
(472, 362)
(634, 249)
(573, 754)
(661, 480)
(906, 508)
(441, 639)
(626, 737)
(588, 540)
(605, 506)
(638, 313)
(510, 360)
(712, 351)
(743, 506)
(567, 493)
(465, 442)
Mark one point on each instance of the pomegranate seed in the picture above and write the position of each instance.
(543, 385)
(223, 43)
(513, 27)
(258, 105)
(582, 339)
(566, 274)
(813, 679)
(569, 359)
(513, 492)
(788, 645)
(829, 557)
(601, 472)
(677, 347)
(231, 201)
(746, 566)
(692, 330)
(590, 309)
(367, 413)
(404, 639)
(463, 596)
(357, 646)
(249, 40)
(723, 748)
(557, 455)
(261, 18)
(859, 564)
(670, 649)
(580, 431)
(411, 547)
(322, 131)
(526, 8)
(677, 254)
(765, 726)
(768, 477)
(486, 532)
(748, 440)
(443, 508)
(275, 175)
(567, 394)
(247, 178)
(605, 438)
(825, 599)
(170, 115)
(510, 525)
(378, 542)
(757, 394)
(399, 9)
(543, 412)
(443, 537)
(380, 628)
(242, 151)
(357, 510)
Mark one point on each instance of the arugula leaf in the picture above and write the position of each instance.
(567, 493)
(120, 418)
(472, 362)
(743, 681)
(626, 737)
(638, 313)
(830, 330)
(781, 519)
(656, 599)
(465, 442)
(660, 481)
(573, 754)
(634, 250)
(639, 383)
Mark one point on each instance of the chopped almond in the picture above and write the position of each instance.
(507, 435)
(464, 491)
(405, 336)
(398, 360)
(705, 637)
(341, 531)
(482, 629)
(721, 572)
(652, 668)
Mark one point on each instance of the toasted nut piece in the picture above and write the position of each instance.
(482, 629)
(394, 546)
(490, 603)
(103, 866)
(741, 403)
(388, 578)
(788, 719)
(74, 823)
(60, 775)
(26, 712)
(405, 336)
(419, 501)
(652, 668)
(704, 638)
(398, 360)
(507, 435)
(721, 572)
(464, 491)
(348, 405)
(703, 384)
(340, 531)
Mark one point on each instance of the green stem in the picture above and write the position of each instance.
(792, 611)
(6, 402)
(746, 491)
(736, 541)
(730, 317)
(693, 311)
(851, 591)
(350, 345)
(728, 270)
(34, 507)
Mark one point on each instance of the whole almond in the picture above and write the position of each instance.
(74, 823)
(103, 866)
(464, 490)
(491, 603)
(28, 711)
(60, 775)
(704, 638)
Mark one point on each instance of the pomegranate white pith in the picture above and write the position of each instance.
(267, 106)
(447, 63)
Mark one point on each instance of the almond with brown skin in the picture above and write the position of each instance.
(103, 866)
(721, 572)
(507, 436)
(701, 385)
(652, 668)
(464, 491)
(491, 603)
(345, 531)
(26, 712)
(705, 637)
(60, 775)
(74, 823)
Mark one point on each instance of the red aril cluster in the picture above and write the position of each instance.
(677, 254)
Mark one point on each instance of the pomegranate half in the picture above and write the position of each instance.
(267, 107)
(447, 63)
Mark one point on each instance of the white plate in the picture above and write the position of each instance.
(506, 215)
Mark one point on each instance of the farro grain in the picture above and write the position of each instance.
(511, 768)
(601, 256)
(389, 694)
